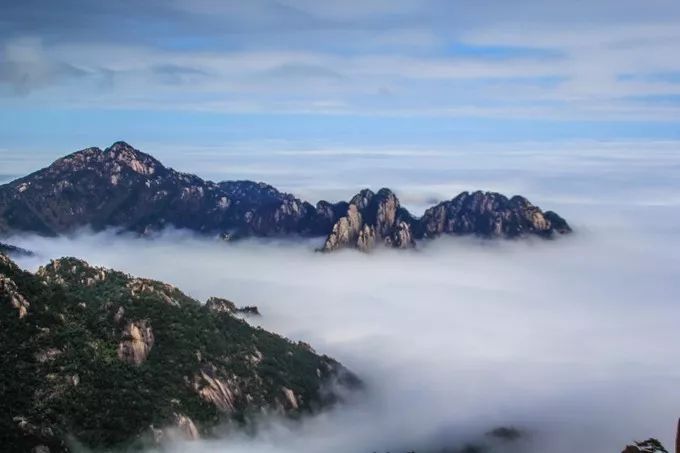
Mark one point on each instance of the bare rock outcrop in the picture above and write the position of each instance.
(9, 290)
(215, 389)
(186, 427)
(182, 428)
(346, 231)
(141, 286)
(291, 401)
(220, 305)
(136, 343)
(372, 219)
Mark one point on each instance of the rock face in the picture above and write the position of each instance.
(491, 215)
(186, 427)
(10, 291)
(124, 188)
(159, 361)
(137, 341)
(215, 390)
(371, 219)
(219, 305)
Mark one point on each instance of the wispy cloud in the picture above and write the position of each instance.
(408, 57)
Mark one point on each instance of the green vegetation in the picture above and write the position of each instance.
(62, 375)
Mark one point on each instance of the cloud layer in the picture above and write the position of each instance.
(572, 340)
(529, 59)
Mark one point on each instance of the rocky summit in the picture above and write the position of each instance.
(121, 187)
(97, 358)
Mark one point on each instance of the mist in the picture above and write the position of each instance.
(573, 341)
(570, 340)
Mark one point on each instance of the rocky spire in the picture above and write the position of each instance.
(372, 218)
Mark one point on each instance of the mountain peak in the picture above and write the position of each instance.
(125, 188)
(136, 160)
(120, 144)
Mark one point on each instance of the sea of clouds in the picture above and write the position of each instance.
(574, 341)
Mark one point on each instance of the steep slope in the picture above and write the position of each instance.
(118, 187)
(371, 219)
(378, 218)
(111, 360)
(123, 188)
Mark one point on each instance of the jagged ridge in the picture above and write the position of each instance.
(124, 188)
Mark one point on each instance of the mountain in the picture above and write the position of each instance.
(647, 446)
(100, 358)
(13, 250)
(124, 188)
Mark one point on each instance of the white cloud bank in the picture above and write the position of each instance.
(573, 340)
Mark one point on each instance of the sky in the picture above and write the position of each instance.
(427, 73)
(573, 104)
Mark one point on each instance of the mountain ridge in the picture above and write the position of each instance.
(122, 187)
(115, 361)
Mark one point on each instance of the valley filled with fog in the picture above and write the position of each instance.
(571, 341)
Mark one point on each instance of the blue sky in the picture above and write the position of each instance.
(382, 72)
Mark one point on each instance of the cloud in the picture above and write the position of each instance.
(452, 340)
(571, 340)
(26, 66)
(409, 57)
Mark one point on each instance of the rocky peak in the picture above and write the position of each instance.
(117, 156)
(372, 218)
(220, 305)
(362, 199)
(383, 212)
(349, 231)
(489, 214)
(132, 158)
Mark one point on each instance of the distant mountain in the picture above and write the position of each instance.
(13, 250)
(647, 446)
(104, 359)
(124, 188)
